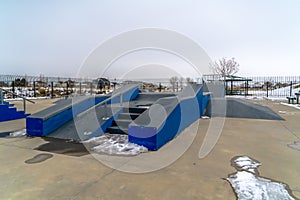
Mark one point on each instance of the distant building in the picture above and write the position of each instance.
(102, 83)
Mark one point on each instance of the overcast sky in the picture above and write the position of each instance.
(53, 37)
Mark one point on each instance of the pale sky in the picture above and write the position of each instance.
(53, 37)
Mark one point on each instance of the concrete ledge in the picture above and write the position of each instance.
(181, 111)
(50, 119)
(88, 119)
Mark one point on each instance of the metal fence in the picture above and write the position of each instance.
(263, 86)
(42, 86)
(274, 86)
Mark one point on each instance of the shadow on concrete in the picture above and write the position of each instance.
(4, 134)
(65, 147)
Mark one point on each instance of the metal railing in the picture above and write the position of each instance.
(7, 91)
(105, 104)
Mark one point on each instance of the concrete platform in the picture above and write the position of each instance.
(78, 175)
(39, 105)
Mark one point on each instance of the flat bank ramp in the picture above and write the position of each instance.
(238, 108)
(147, 99)
(94, 120)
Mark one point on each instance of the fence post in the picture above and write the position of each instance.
(246, 88)
(226, 86)
(52, 91)
(267, 89)
(13, 88)
(291, 88)
(231, 87)
(67, 89)
(159, 87)
(34, 92)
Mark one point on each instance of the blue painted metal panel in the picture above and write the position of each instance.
(10, 113)
(145, 136)
(34, 126)
(54, 122)
(184, 114)
(40, 127)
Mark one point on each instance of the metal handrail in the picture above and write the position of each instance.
(104, 103)
(24, 99)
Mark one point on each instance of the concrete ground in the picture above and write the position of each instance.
(78, 175)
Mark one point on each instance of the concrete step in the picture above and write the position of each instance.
(122, 123)
(134, 110)
(8, 113)
(9, 104)
(130, 116)
(117, 130)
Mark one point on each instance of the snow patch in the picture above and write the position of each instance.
(114, 144)
(205, 117)
(18, 133)
(249, 186)
(245, 163)
(295, 145)
(282, 112)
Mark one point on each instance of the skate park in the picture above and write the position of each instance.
(255, 127)
(149, 119)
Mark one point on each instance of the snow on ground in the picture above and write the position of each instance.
(295, 145)
(205, 117)
(18, 133)
(249, 186)
(297, 106)
(114, 144)
(284, 91)
(258, 97)
(247, 164)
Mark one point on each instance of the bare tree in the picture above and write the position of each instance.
(189, 80)
(174, 81)
(225, 67)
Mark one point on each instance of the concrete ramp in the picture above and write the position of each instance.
(80, 117)
(147, 99)
(168, 117)
(238, 108)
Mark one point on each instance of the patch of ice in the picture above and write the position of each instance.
(245, 163)
(18, 133)
(295, 145)
(114, 144)
(205, 117)
(87, 132)
(249, 186)
(282, 112)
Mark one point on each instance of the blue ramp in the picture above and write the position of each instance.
(167, 117)
(59, 120)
